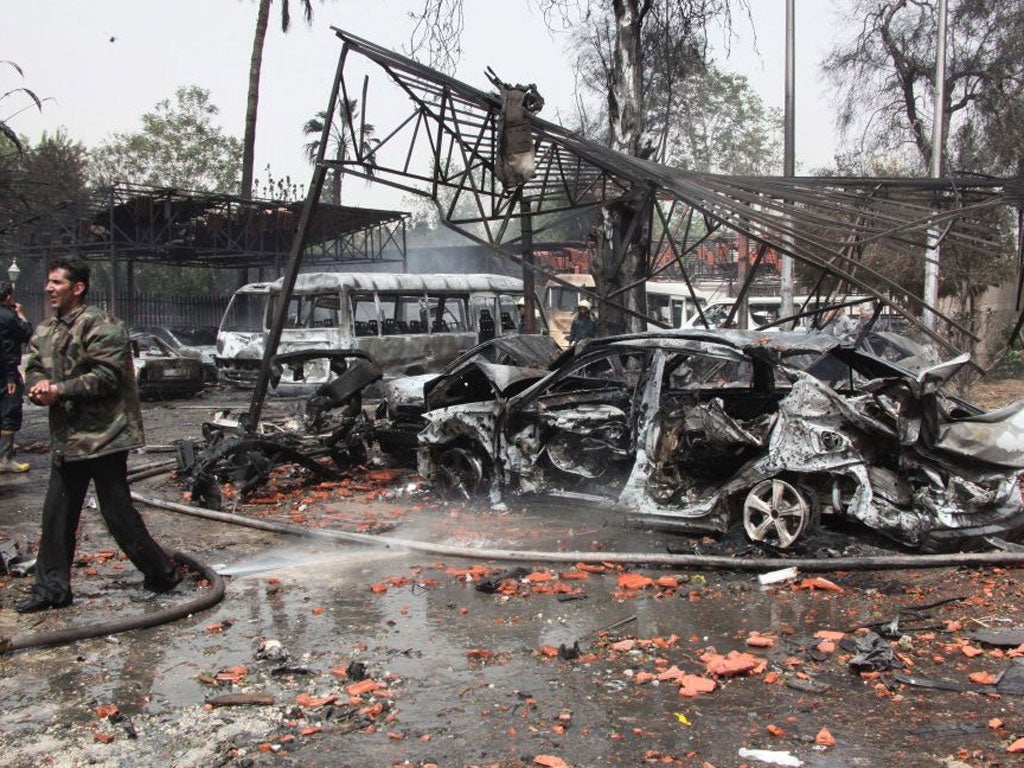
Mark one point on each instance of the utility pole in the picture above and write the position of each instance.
(931, 257)
(788, 158)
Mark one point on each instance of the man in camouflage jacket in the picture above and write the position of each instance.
(80, 366)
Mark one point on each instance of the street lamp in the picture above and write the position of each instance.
(13, 271)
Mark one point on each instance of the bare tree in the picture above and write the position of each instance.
(885, 73)
(885, 76)
(618, 36)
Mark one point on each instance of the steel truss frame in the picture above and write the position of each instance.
(446, 145)
(171, 226)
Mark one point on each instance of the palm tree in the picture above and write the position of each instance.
(255, 65)
(5, 130)
(339, 141)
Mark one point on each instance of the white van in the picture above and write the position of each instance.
(408, 323)
(765, 310)
(671, 302)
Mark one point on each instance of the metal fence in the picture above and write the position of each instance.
(160, 309)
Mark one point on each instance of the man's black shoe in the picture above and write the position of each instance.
(163, 585)
(35, 604)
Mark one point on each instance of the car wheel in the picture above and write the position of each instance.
(462, 471)
(776, 513)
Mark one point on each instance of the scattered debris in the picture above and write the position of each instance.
(778, 576)
(1002, 638)
(1009, 682)
(270, 650)
(872, 653)
(770, 756)
(241, 700)
(332, 426)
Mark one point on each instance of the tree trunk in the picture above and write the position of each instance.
(252, 102)
(626, 131)
(612, 272)
(339, 155)
(625, 95)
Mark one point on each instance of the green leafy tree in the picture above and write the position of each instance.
(708, 120)
(339, 141)
(42, 190)
(180, 145)
(12, 177)
(253, 93)
(718, 124)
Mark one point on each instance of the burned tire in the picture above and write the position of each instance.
(777, 513)
(462, 471)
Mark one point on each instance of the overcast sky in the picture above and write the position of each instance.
(103, 63)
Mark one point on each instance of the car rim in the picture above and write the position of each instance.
(775, 513)
(461, 471)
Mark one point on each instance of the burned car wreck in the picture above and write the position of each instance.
(700, 431)
(497, 368)
(330, 423)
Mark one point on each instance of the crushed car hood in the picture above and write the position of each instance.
(530, 351)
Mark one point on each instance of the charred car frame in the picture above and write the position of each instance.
(331, 424)
(700, 431)
(497, 368)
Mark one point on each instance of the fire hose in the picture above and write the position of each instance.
(207, 599)
(710, 562)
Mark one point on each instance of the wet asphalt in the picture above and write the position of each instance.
(557, 664)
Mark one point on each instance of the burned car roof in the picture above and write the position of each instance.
(701, 430)
(498, 359)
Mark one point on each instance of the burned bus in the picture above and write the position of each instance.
(408, 323)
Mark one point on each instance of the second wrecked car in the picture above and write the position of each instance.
(499, 368)
(702, 430)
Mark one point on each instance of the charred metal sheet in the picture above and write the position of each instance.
(494, 369)
(478, 380)
(332, 426)
(995, 439)
(517, 159)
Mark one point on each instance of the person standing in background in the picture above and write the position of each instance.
(15, 331)
(583, 325)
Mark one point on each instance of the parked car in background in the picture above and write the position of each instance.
(700, 431)
(163, 372)
(199, 342)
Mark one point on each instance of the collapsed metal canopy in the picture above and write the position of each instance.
(183, 228)
(447, 146)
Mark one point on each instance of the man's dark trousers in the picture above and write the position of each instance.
(62, 509)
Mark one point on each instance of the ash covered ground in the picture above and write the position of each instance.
(327, 653)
